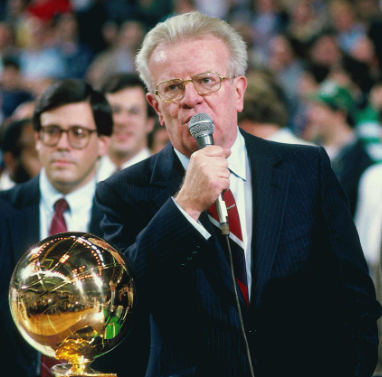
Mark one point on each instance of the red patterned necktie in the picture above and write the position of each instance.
(236, 241)
(58, 225)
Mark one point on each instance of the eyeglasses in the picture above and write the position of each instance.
(204, 83)
(78, 136)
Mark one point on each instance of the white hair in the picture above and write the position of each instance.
(188, 26)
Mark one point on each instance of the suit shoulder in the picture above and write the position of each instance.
(293, 152)
(27, 192)
(137, 174)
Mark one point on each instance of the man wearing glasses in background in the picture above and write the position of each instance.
(306, 301)
(72, 124)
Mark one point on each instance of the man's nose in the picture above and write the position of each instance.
(63, 141)
(191, 96)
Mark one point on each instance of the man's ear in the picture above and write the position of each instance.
(154, 103)
(241, 85)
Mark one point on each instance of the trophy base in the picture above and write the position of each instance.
(66, 370)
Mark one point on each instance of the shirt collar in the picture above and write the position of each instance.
(141, 155)
(83, 197)
(236, 161)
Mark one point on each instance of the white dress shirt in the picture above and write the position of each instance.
(241, 187)
(77, 217)
(107, 167)
(368, 215)
(6, 181)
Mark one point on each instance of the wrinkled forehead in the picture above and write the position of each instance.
(193, 56)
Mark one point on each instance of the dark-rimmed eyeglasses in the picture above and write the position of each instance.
(204, 83)
(78, 136)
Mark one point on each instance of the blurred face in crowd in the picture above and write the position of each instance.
(26, 163)
(183, 60)
(325, 51)
(70, 168)
(29, 157)
(342, 15)
(131, 123)
(321, 119)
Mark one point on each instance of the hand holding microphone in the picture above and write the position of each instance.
(207, 174)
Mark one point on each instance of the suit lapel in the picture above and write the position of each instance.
(168, 173)
(25, 222)
(270, 186)
(95, 221)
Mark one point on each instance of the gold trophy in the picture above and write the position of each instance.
(73, 298)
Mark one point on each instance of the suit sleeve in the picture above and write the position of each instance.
(165, 245)
(359, 309)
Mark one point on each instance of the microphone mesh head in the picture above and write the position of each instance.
(201, 124)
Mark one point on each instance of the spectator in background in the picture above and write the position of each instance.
(368, 122)
(329, 115)
(7, 43)
(133, 120)
(39, 60)
(265, 115)
(368, 220)
(119, 58)
(72, 124)
(46, 10)
(158, 138)
(345, 24)
(19, 154)
(324, 51)
(310, 80)
(287, 68)
(184, 6)
(267, 20)
(305, 22)
(149, 12)
(363, 51)
(24, 110)
(12, 87)
(76, 55)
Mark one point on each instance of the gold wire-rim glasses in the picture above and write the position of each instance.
(185, 82)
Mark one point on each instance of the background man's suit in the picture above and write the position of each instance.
(313, 309)
(19, 230)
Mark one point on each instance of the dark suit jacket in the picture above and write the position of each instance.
(19, 230)
(313, 310)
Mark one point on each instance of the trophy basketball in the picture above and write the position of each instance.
(73, 298)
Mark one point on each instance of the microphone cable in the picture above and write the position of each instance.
(242, 327)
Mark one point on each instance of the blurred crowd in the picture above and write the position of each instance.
(318, 61)
(314, 77)
(314, 68)
(314, 72)
(295, 44)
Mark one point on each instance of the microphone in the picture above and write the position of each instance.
(201, 127)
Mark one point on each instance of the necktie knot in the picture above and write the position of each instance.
(61, 205)
(58, 224)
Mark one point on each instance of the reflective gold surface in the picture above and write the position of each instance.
(72, 297)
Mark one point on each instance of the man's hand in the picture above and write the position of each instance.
(206, 177)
